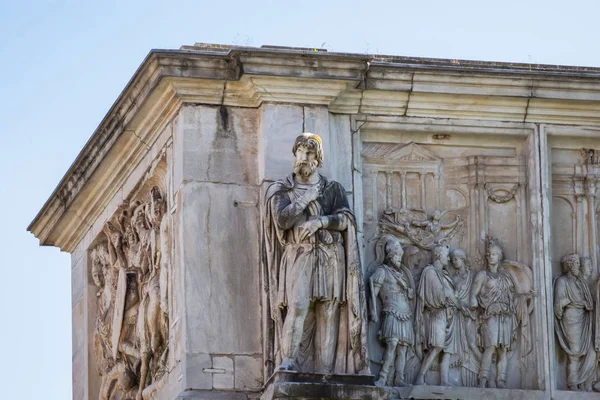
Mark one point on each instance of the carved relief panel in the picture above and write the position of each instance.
(460, 211)
(574, 225)
(131, 269)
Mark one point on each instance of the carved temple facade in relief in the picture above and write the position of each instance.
(470, 192)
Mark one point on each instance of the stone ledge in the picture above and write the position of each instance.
(569, 395)
(210, 395)
(347, 83)
(452, 393)
(297, 385)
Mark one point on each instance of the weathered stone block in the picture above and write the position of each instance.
(341, 149)
(223, 377)
(281, 125)
(78, 280)
(219, 242)
(217, 144)
(248, 373)
(195, 364)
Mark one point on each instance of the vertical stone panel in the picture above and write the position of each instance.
(281, 125)
(316, 120)
(220, 239)
(79, 339)
(341, 149)
(217, 144)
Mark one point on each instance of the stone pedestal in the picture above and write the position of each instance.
(294, 385)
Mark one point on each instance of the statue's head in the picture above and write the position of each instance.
(308, 154)
(437, 215)
(586, 267)
(458, 258)
(494, 254)
(393, 251)
(412, 257)
(440, 253)
(131, 237)
(158, 205)
(99, 262)
(570, 263)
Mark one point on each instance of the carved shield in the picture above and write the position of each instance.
(121, 294)
(521, 274)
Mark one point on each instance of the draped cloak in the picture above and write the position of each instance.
(574, 329)
(499, 320)
(348, 287)
(468, 357)
(434, 320)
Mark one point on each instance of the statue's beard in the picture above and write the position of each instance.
(305, 169)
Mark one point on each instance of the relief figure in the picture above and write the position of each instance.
(393, 284)
(503, 307)
(152, 323)
(573, 309)
(434, 320)
(468, 358)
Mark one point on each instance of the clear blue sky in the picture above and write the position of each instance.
(63, 63)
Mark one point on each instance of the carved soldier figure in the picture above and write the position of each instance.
(314, 270)
(394, 285)
(436, 305)
(573, 309)
(495, 291)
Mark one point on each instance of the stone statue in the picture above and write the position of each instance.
(468, 357)
(316, 290)
(393, 283)
(495, 291)
(436, 306)
(573, 309)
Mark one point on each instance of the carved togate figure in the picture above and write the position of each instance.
(316, 290)
(573, 309)
(434, 319)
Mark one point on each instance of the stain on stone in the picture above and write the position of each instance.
(224, 120)
(224, 158)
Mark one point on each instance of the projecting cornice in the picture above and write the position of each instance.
(346, 83)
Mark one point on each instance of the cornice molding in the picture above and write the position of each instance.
(346, 83)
